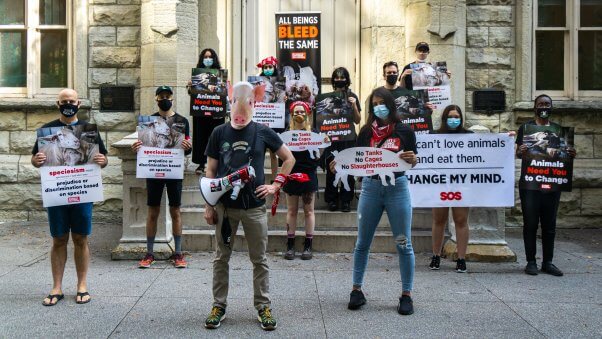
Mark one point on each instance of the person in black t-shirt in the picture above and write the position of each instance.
(154, 187)
(75, 219)
(233, 146)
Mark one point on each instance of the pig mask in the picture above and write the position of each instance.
(242, 98)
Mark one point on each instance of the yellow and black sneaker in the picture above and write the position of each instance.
(264, 316)
(214, 320)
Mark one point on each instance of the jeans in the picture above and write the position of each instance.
(539, 206)
(396, 201)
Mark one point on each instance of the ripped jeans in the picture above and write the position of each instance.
(396, 201)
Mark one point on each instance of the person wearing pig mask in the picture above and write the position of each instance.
(232, 146)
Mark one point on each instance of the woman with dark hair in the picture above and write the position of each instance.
(452, 122)
(203, 126)
(384, 130)
(341, 81)
(539, 206)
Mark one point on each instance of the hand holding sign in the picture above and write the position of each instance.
(298, 141)
(368, 161)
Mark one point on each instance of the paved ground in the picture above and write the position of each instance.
(309, 298)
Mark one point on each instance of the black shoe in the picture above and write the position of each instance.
(268, 322)
(531, 268)
(461, 266)
(333, 206)
(215, 318)
(346, 206)
(435, 262)
(356, 300)
(307, 255)
(550, 268)
(406, 305)
(290, 249)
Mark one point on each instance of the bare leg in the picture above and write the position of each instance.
(308, 209)
(81, 256)
(292, 204)
(58, 258)
(176, 221)
(151, 220)
(460, 215)
(440, 216)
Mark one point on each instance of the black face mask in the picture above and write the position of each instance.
(68, 110)
(164, 104)
(543, 112)
(339, 83)
(392, 79)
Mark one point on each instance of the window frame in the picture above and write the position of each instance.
(571, 54)
(33, 31)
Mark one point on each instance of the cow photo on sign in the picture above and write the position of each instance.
(157, 132)
(161, 154)
(69, 145)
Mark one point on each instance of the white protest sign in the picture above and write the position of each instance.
(367, 161)
(160, 163)
(70, 185)
(463, 170)
(297, 141)
(439, 97)
(433, 78)
(270, 114)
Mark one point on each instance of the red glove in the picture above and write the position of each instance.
(283, 179)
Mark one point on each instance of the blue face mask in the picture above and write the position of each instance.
(268, 72)
(381, 111)
(453, 123)
(208, 62)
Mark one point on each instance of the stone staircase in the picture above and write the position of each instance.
(334, 232)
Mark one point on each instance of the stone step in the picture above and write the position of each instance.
(192, 218)
(324, 241)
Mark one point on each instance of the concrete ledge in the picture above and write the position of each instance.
(481, 252)
(136, 251)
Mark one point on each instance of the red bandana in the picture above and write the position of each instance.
(380, 133)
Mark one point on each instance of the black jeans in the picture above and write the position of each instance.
(539, 207)
(201, 131)
(332, 193)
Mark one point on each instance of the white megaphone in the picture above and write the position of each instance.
(213, 189)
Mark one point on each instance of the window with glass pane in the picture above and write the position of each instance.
(53, 59)
(591, 13)
(549, 58)
(551, 13)
(53, 12)
(590, 60)
(13, 59)
(12, 12)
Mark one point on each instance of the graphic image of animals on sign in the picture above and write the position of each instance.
(157, 132)
(367, 161)
(69, 145)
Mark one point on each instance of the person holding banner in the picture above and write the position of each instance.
(304, 163)
(75, 219)
(203, 126)
(341, 81)
(452, 122)
(539, 206)
(154, 187)
(384, 130)
(422, 52)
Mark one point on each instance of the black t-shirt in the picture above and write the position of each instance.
(59, 123)
(408, 78)
(180, 120)
(521, 130)
(233, 149)
(402, 139)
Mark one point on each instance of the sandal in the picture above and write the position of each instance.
(81, 296)
(58, 298)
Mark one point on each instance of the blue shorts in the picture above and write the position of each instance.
(70, 218)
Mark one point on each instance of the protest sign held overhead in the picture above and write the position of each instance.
(334, 116)
(161, 155)
(298, 141)
(271, 110)
(69, 174)
(547, 166)
(463, 170)
(209, 92)
(367, 161)
(434, 79)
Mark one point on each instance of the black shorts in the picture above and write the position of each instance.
(298, 188)
(154, 191)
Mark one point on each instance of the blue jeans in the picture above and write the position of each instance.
(396, 201)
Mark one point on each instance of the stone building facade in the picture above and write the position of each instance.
(146, 43)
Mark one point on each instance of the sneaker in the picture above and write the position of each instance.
(333, 206)
(531, 268)
(461, 266)
(147, 261)
(214, 320)
(550, 268)
(268, 322)
(346, 206)
(179, 261)
(406, 305)
(356, 300)
(435, 262)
